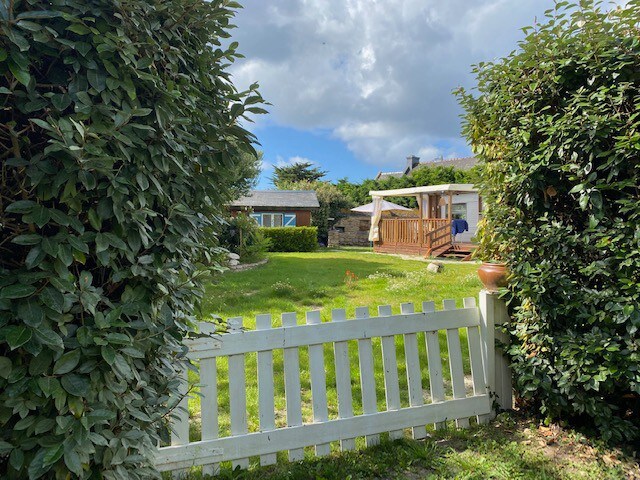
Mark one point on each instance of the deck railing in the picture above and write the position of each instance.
(436, 232)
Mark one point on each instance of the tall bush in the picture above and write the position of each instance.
(556, 124)
(119, 145)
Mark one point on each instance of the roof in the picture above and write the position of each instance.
(463, 163)
(278, 198)
(385, 175)
(446, 187)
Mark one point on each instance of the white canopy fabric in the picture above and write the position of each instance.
(384, 207)
(374, 231)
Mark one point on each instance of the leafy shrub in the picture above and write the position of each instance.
(556, 124)
(242, 235)
(292, 239)
(120, 143)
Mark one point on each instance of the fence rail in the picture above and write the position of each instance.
(425, 406)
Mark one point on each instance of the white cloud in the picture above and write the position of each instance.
(378, 74)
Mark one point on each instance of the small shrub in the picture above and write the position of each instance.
(291, 239)
(242, 235)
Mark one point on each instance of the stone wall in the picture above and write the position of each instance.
(353, 230)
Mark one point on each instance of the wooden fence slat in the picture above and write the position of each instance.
(475, 358)
(367, 378)
(436, 380)
(390, 362)
(209, 399)
(237, 392)
(303, 335)
(303, 435)
(266, 393)
(180, 422)
(343, 379)
(291, 359)
(318, 383)
(414, 374)
(455, 363)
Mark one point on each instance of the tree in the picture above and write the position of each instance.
(424, 175)
(556, 126)
(121, 145)
(332, 202)
(296, 172)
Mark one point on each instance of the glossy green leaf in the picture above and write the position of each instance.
(20, 74)
(17, 336)
(67, 362)
(27, 239)
(17, 291)
(75, 384)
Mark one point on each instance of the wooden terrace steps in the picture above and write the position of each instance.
(430, 237)
(462, 251)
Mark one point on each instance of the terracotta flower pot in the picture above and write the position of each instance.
(493, 276)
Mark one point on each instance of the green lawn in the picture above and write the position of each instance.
(298, 282)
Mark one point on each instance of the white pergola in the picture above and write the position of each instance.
(421, 194)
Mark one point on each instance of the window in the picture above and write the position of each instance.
(458, 210)
(271, 219)
(275, 219)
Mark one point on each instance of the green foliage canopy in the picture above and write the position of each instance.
(424, 175)
(296, 172)
(556, 124)
(120, 144)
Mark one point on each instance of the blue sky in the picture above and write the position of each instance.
(356, 86)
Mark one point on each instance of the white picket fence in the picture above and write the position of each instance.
(434, 406)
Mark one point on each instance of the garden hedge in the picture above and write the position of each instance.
(119, 140)
(291, 239)
(556, 124)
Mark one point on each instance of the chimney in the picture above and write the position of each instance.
(412, 162)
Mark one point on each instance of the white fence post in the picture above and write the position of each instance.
(493, 311)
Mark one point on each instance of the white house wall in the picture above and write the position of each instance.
(472, 202)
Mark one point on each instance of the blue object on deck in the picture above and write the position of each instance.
(458, 226)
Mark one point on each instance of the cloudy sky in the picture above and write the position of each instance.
(358, 85)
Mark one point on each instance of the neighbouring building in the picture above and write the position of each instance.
(278, 208)
(414, 162)
(351, 230)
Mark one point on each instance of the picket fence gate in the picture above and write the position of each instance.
(432, 408)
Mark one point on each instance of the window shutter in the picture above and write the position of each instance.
(257, 217)
(289, 219)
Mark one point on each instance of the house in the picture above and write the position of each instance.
(413, 162)
(430, 232)
(278, 208)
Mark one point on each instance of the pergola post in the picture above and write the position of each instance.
(420, 221)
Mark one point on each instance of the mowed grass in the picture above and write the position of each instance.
(326, 280)
(298, 282)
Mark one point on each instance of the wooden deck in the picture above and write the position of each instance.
(430, 237)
